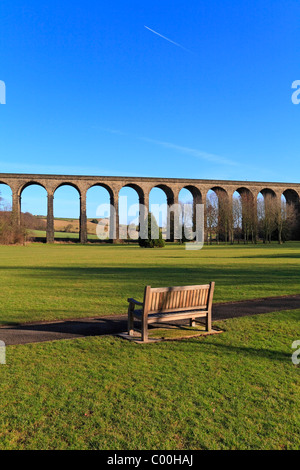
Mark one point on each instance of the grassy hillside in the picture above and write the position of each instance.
(69, 228)
(72, 226)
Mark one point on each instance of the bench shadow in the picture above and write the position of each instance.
(85, 327)
(159, 276)
(91, 327)
(270, 256)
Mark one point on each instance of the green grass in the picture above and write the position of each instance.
(48, 282)
(235, 390)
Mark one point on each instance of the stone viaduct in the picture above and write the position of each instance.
(171, 186)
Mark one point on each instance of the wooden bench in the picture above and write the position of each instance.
(166, 304)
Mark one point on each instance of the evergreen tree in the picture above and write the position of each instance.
(152, 229)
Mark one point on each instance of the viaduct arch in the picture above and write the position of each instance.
(171, 186)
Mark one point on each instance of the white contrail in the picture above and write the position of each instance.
(191, 151)
(179, 148)
(167, 39)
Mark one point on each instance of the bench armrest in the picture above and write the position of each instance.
(135, 302)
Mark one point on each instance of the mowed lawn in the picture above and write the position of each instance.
(48, 282)
(235, 390)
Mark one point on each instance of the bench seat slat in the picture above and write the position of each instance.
(138, 313)
(180, 288)
(163, 317)
(153, 317)
(181, 309)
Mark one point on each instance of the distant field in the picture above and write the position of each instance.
(69, 228)
(60, 225)
(48, 282)
(42, 233)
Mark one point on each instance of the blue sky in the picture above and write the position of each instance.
(203, 91)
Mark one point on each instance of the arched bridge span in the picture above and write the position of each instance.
(171, 186)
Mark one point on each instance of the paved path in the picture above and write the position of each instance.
(109, 325)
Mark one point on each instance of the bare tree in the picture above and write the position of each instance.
(188, 220)
(10, 231)
(266, 211)
(224, 216)
(211, 216)
(285, 219)
(291, 220)
(276, 218)
(248, 218)
(237, 218)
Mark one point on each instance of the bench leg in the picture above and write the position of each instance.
(192, 322)
(208, 322)
(130, 321)
(144, 330)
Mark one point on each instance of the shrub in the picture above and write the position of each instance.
(68, 228)
(33, 222)
(10, 231)
(152, 242)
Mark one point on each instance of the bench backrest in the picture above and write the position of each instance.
(167, 299)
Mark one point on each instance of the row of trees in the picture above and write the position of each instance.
(247, 220)
(242, 220)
